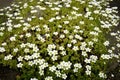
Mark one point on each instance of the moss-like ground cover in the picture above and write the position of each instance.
(58, 39)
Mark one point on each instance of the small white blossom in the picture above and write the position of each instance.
(8, 57)
(28, 34)
(19, 65)
(4, 44)
(12, 38)
(69, 45)
(105, 56)
(62, 36)
(77, 65)
(61, 48)
(87, 60)
(88, 72)
(20, 58)
(58, 74)
(15, 50)
(93, 58)
(64, 65)
(52, 68)
(75, 48)
(33, 79)
(2, 49)
(74, 41)
(26, 50)
(106, 43)
(64, 76)
(49, 78)
(102, 75)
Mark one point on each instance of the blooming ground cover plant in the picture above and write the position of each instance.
(58, 39)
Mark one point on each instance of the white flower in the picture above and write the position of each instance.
(27, 57)
(93, 58)
(17, 26)
(63, 53)
(60, 26)
(75, 70)
(87, 49)
(4, 44)
(87, 60)
(15, 50)
(78, 37)
(71, 37)
(102, 75)
(26, 50)
(88, 72)
(66, 31)
(20, 58)
(75, 48)
(94, 33)
(34, 11)
(22, 45)
(61, 48)
(75, 8)
(19, 65)
(96, 11)
(77, 65)
(33, 79)
(25, 28)
(1, 33)
(110, 51)
(58, 74)
(43, 66)
(64, 76)
(41, 72)
(54, 57)
(82, 22)
(105, 56)
(51, 20)
(35, 55)
(77, 27)
(12, 38)
(25, 5)
(21, 36)
(28, 34)
(35, 49)
(41, 18)
(58, 17)
(50, 47)
(66, 22)
(52, 68)
(74, 41)
(47, 35)
(62, 36)
(97, 29)
(49, 78)
(118, 45)
(88, 67)
(84, 53)
(69, 45)
(106, 43)
(64, 65)
(30, 63)
(55, 33)
(2, 49)
(90, 43)
(8, 57)
(95, 39)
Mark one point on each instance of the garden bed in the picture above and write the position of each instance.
(6, 73)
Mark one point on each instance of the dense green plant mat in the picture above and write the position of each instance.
(58, 39)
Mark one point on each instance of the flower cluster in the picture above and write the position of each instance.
(58, 39)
